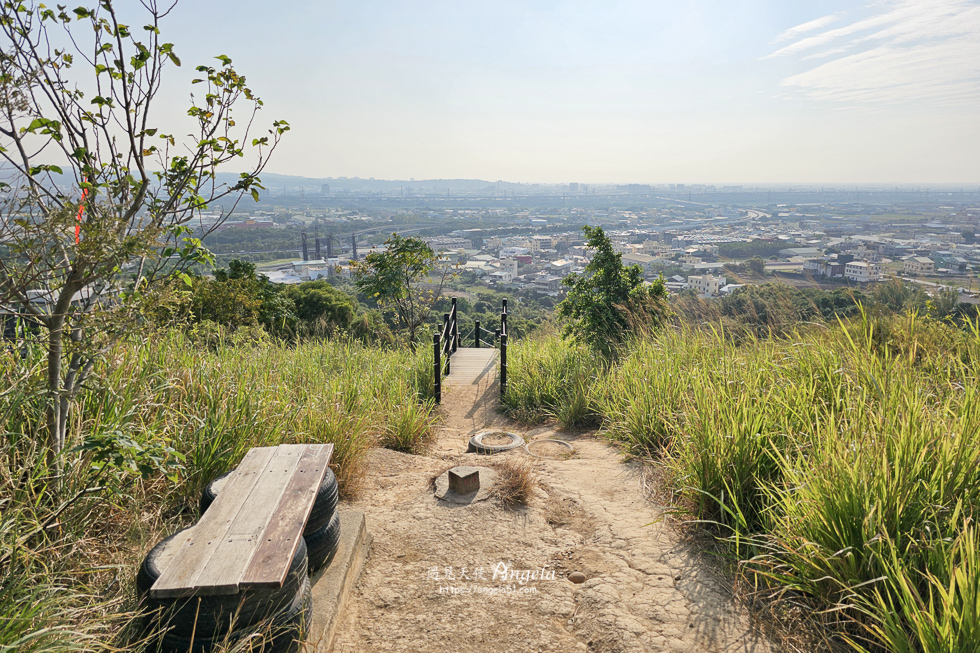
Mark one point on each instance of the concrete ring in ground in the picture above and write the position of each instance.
(477, 445)
(527, 447)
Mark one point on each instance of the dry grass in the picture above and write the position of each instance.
(559, 512)
(516, 481)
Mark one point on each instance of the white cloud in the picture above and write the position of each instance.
(905, 50)
(793, 32)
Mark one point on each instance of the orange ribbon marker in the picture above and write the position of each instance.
(81, 210)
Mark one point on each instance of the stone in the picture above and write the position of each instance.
(577, 577)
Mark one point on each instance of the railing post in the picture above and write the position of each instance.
(447, 344)
(437, 367)
(503, 365)
(476, 334)
(455, 327)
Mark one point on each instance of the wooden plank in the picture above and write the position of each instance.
(470, 365)
(270, 564)
(223, 573)
(197, 549)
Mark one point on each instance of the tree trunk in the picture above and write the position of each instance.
(55, 422)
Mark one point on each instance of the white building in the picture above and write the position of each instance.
(508, 252)
(706, 285)
(862, 271)
(509, 264)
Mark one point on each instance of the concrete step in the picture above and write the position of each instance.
(332, 585)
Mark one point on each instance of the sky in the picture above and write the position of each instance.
(644, 91)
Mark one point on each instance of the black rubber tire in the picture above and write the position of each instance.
(322, 544)
(477, 446)
(215, 616)
(151, 568)
(284, 634)
(210, 492)
(323, 506)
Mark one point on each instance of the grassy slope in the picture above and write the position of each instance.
(68, 584)
(840, 463)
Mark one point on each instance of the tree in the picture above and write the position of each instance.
(239, 297)
(610, 301)
(756, 265)
(97, 200)
(396, 278)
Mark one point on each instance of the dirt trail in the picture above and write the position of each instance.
(422, 589)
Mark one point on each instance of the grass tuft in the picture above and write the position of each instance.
(516, 481)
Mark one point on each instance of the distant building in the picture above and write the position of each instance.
(503, 276)
(508, 252)
(546, 283)
(862, 271)
(706, 285)
(833, 266)
(509, 265)
(312, 270)
(645, 261)
(919, 265)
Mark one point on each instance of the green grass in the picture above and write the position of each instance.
(160, 419)
(838, 462)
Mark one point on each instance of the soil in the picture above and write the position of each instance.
(496, 439)
(550, 450)
(482, 577)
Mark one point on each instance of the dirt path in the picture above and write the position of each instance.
(429, 584)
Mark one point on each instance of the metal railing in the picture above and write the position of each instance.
(444, 343)
(447, 341)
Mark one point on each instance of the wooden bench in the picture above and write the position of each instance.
(248, 537)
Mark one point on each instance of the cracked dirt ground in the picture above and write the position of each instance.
(646, 590)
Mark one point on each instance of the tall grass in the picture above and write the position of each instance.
(838, 462)
(550, 379)
(159, 420)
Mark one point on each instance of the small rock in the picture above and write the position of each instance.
(577, 577)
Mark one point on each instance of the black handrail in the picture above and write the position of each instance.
(503, 349)
(447, 340)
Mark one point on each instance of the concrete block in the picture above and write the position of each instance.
(332, 585)
(464, 483)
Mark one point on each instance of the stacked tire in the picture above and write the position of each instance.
(275, 618)
(322, 532)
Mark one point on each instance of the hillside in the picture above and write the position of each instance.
(832, 463)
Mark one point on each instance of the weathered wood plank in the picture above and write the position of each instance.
(271, 561)
(196, 551)
(223, 572)
(471, 365)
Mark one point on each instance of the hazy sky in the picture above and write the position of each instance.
(634, 91)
